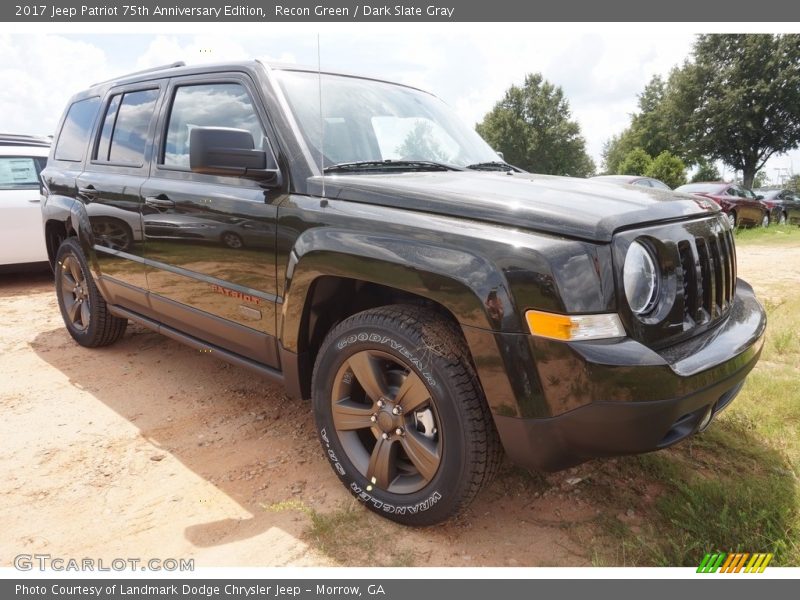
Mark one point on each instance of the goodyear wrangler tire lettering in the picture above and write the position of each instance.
(401, 416)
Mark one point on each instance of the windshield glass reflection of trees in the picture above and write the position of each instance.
(365, 120)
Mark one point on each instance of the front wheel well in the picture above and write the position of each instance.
(332, 299)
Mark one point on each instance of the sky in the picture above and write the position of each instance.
(469, 66)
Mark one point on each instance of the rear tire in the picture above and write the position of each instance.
(733, 220)
(765, 220)
(83, 309)
(782, 220)
(401, 414)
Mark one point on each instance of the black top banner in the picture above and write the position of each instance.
(739, 11)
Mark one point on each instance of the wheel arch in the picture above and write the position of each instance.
(327, 282)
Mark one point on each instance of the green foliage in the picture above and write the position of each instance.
(668, 168)
(760, 179)
(651, 128)
(636, 162)
(706, 171)
(616, 149)
(739, 100)
(533, 127)
(421, 144)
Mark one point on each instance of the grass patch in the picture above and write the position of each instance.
(732, 488)
(777, 235)
(352, 536)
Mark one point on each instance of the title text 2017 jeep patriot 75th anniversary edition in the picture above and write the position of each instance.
(436, 304)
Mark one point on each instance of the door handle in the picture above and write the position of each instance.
(160, 201)
(89, 192)
(35, 200)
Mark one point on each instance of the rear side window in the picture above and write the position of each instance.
(19, 172)
(76, 130)
(208, 105)
(125, 128)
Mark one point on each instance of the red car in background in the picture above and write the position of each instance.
(738, 203)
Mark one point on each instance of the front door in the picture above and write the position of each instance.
(210, 240)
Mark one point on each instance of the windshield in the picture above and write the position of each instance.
(365, 120)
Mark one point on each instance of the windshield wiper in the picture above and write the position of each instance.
(492, 165)
(362, 166)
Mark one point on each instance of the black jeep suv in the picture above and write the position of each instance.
(352, 240)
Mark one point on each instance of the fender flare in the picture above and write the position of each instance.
(464, 283)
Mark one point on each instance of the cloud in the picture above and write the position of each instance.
(38, 74)
(468, 65)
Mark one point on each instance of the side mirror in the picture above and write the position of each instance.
(759, 197)
(225, 151)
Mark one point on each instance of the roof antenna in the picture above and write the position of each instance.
(324, 201)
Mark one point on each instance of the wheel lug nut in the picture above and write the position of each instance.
(396, 410)
(380, 403)
(399, 431)
(373, 418)
(385, 435)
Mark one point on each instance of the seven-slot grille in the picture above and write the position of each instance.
(708, 274)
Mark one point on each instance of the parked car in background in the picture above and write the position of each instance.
(647, 182)
(783, 205)
(741, 207)
(22, 159)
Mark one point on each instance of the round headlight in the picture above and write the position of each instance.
(640, 278)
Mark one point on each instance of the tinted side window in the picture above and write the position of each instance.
(76, 130)
(208, 105)
(104, 145)
(132, 125)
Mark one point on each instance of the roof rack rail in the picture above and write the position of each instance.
(174, 65)
(21, 139)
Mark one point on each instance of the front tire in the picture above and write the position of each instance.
(765, 220)
(401, 414)
(734, 222)
(782, 220)
(83, 309)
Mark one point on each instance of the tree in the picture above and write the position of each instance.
(421, 144)
(651, 128)
(532, 126)
(760, 179)
(668, 168)
(636, 162)
(793, 183)
(739, 100)
(615, 150)
(706, 171)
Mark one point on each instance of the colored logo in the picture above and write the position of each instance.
(735, 562)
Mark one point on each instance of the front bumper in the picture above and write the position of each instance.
(629, 399)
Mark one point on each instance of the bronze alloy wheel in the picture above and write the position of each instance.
(401, 414)
(83, 308)
(75, 293)
(386, 422)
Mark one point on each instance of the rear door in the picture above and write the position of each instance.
(210, 240)
(21, 232)
(109, 187)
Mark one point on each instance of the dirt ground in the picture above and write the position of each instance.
(149, 449)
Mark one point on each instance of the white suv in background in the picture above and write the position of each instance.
(22, 158)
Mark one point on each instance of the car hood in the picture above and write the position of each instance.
(566, 206)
